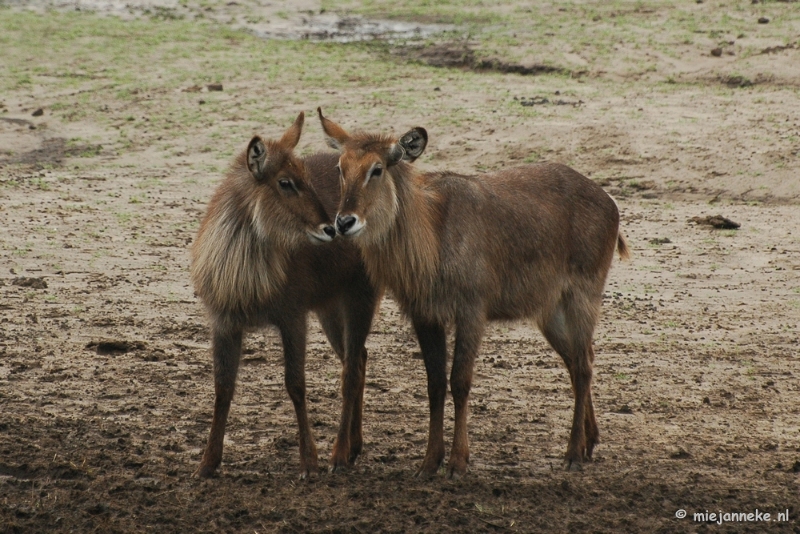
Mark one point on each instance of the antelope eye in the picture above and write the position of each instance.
(286, 185)
(376, 172)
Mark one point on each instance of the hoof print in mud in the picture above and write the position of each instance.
(114, 346)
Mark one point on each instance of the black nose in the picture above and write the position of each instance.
(343, 224)
(329, 230)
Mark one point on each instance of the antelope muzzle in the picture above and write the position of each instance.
(349, 225)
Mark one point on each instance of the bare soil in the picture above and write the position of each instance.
(106, 381)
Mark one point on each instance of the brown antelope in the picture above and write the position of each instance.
(535, 241)
(256, 262)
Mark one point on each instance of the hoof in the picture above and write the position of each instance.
(422, 473)
(573, 465)
(309, 467)
(340, 458)
(454, 475)
(307, 474)
(204, 471)
(456, 470)
(333, 469)
(428, 469)
(353, 456)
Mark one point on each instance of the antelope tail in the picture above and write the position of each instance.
(622, 247)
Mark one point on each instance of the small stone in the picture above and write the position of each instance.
(717, 52)
(38, 113)
(763, 20)
(214, 87)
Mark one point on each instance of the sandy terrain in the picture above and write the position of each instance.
(105, 377)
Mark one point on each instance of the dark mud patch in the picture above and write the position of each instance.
(736, 81)
(780, 48)
(462, 55)
(18, 122)
(52, 152)
(346, 29)
(34, 283)
(114, 346)
(496, 65)
(21, 472)
(541, 101)
(716, 221)
(444, 55)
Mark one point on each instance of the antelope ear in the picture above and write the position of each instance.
(395, 154)
(256, 157)
(292, 135)
(413, 142)
(335, 135)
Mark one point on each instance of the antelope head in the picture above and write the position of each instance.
(285, 203)
(368, 169)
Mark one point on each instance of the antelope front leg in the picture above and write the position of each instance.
(226, 349)
(359, 309)
(433, 343)
(349, 440)
(469, 332)
(293, 335)
(356, 435)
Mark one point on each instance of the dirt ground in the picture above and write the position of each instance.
(105, 375)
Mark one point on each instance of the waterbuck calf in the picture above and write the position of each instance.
(529, 242)
(258, 260)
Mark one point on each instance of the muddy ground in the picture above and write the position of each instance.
(105, 375)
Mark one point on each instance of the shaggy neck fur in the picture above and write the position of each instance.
(238, 260)
(406, 258)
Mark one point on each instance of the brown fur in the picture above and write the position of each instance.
(535, 241)
(254, 264)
